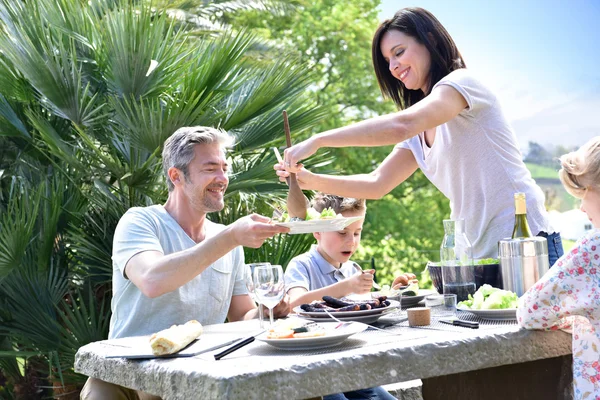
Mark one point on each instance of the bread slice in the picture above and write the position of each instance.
(175, 338)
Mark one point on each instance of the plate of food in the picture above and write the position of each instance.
(319, 225)
(409, 301)
(347, 310)
(491, 303)
(296, 334)
(501, 314)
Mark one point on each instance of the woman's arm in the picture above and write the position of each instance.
(440, 106)
(398, 166)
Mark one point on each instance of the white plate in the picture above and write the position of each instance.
(504, 314)
(319, 225)
(349, 316)
(365, 319)
(332, 337)
(345, 314)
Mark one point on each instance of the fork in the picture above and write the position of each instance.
(358, 268)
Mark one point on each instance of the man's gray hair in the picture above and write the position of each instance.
(178, 151)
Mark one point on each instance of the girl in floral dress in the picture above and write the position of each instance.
(568, 296)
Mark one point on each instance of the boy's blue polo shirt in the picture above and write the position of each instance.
(311, 271)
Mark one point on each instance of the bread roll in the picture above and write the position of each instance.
(175, 338)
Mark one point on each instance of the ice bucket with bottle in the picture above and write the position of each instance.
(523, 261)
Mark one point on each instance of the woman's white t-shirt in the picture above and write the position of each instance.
(476, 163)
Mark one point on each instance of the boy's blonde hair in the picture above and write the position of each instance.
(339, 204)
(581, 168)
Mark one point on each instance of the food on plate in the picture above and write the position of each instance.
(294, 328)
(333, 304)
(175, 338)
(404, 279)
(419, 316)
(490, 298)
(327, 213)
(312, 214)
(412, 289)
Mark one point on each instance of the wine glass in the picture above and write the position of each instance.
(251, 288)
(269, 286)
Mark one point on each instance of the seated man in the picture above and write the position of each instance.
(326, 270)
(170, 263)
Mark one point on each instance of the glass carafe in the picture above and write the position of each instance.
(456, 259)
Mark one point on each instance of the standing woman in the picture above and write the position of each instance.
(449, 125)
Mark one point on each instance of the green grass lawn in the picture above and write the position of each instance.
(542, 172)
(557, 197)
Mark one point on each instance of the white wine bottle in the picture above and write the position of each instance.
(521, 228)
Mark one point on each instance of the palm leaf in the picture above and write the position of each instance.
(142, 52)
(17, 228)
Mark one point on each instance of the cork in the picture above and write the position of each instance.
(419, 316)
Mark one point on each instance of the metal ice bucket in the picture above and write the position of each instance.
(523, 261)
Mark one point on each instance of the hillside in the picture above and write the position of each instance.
(557, 197)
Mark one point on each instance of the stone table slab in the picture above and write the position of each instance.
(368, 359)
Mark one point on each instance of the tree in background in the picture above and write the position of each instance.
(89, 91)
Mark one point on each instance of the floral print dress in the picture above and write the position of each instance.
(568, 297)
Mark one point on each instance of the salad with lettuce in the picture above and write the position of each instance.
(490, 298)
(312, 214)
(327, 213)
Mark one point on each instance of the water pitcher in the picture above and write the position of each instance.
(456, 256)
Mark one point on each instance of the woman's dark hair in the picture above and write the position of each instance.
(428, 31)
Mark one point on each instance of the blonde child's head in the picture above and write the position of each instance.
(580, 175)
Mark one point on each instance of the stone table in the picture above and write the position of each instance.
(498, 361)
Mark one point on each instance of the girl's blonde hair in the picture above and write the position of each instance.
(581, 168)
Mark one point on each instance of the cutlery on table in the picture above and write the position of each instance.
(238, 345)
(174, 355)
(460, 322)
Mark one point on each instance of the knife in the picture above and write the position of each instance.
(460, 322)
(238, 345)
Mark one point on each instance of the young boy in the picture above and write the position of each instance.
(326, 270)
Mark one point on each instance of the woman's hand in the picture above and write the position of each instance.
(298, 152)
(303, 176)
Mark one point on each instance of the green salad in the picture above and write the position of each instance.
(327, 213)
(312, 214)
(489, 298)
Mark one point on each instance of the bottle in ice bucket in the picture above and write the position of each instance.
(456, 256)
(521, 228)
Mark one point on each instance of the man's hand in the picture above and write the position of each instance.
(283, 308)
(361, 283)
(253, 230)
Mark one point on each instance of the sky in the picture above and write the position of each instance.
(541, 59)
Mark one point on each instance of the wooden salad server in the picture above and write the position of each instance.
(296, 201)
